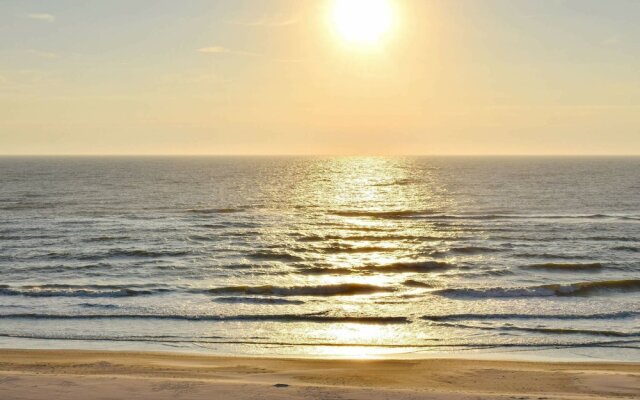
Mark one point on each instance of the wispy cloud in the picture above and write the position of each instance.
(269, 21)
(224, 50)
(42, 17)
(213, 49)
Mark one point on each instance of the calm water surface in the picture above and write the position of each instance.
(322, 256)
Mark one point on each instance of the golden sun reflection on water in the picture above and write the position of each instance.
(362, 333)
(360, 215)
(358, 334)
(359, 231)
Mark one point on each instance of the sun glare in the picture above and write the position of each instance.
(363, 22)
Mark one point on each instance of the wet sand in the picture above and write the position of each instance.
(71, 375)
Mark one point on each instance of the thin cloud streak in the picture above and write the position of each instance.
(268, 22)
(42, 17)
(224, 50)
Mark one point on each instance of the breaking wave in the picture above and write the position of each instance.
(314, 317)
(214, 210)
(483, 317)
(430, 214)
(256, 300)
(55, 290)
(566, 267)
(275, 256)
(394, 268)
(345, 289)
(627, 248)
(384, 214)
(547, 331)
(573, 289)
(418, 284)
(473, 250)
(418, 267)
(355, 249)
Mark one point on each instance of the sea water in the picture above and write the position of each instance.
(344, 256)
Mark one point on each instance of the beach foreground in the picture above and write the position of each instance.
(38, 374)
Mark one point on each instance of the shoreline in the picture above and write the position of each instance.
(80, 374)
(561, 354)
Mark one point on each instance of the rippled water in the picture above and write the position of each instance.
(344, 256)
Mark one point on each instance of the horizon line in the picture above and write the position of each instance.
(321, 155)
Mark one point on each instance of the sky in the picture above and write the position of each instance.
(272, 77)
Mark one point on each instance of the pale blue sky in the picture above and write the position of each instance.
(271, 77)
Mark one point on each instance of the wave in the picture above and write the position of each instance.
(166, 339)
(552, 256)
(67, 268)
(28, 206)
(573, 289)
(482, 317)
(344, 289)
(314, 317)
(75, 293)
(27, 237)
(98, 291)
(215, 210)
(55, 290)
(256, 300)
(353, 249)
(430, 214)
(397, 182)
(612, 239)
(473, 250)
(98, 305)
(547, 331)
(275, 255)
(362, 228)
(117, 253)
(401, 267)
(146, 253)
(482, 272)
(578, 267)
(171, 340)
(327, 271)
(105, 239)
(376, 238)
(417, 284)
(213, 226)
(384, 214)
(627, 248)
(537, 216)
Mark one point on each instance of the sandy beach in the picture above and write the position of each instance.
(38, 374)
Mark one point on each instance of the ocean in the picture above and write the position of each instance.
(322, 256)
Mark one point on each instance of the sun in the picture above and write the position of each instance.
(362, 22)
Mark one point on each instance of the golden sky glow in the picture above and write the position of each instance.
(320, 77)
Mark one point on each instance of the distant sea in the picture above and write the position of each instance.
(322, 256)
